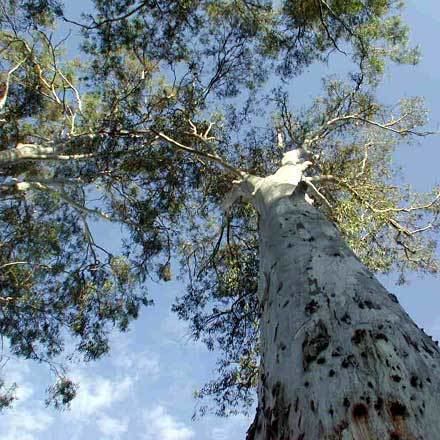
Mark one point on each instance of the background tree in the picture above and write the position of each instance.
(150, 129)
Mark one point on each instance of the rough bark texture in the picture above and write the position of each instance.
(340, 358)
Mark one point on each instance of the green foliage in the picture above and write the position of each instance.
(62, 393)
(7, 395)
(148, 127)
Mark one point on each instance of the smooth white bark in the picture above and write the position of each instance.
(340, 358)
(27, 152)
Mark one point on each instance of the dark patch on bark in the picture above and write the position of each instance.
(266, 288)
(315, 342)
(337, 352)
(393, 298)
(277, 417)
(380, 336)
(399, 413)
(321, 360)
(299, 226)
(395, 436)
(379, 404)
(341, 427)
(398, 409)
(359, 302)
(360, 410)
(346, 402)
(426, 348)
(346, 318)
(371, 305)
(311, 307)
(358, 336)
(331, 373)
(396, 378)
(285, 303)
(349, 361)
(410, 342)
(332, 249)
(313, 286)
(312, 405)
(276, 333)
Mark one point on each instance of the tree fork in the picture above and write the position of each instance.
(340, 358)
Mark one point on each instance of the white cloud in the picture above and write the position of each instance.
(232, 427)
(128, 358)
(22, 424)
(161, 425)
(143, 363)
(96, 393)
(111, 426)
(18, 371)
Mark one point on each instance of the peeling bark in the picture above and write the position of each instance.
(340, 358)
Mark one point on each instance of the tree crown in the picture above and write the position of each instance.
(168, 104)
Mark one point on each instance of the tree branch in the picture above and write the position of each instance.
(34, 185)
(213, 157)
(108, 20)
(27, 152)
(393, 222)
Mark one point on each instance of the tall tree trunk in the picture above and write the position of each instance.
(340, 358)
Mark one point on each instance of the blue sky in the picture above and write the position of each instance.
(143, 390)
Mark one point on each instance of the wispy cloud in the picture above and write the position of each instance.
(112, 427)
(23, 423)
(97, 393)
(160, 424)
(138, 364)
(127, 358)
(18, 371)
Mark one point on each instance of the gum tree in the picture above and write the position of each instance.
(176, 122)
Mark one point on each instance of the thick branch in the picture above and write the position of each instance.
(27, 152)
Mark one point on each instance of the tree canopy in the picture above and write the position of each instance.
(148, 126)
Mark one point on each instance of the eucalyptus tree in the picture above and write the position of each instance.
(176, 122)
